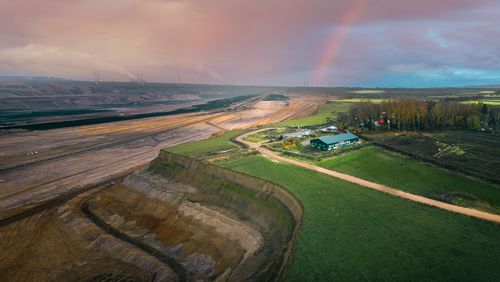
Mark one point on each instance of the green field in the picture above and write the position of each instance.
(360, 100)
(401, 172)
(208, 146)
(264, 135)
(352, 233)
(326, 113)
(487, 102)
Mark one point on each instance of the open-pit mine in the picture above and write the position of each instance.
(99, 202)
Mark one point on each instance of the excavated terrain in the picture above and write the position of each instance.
(61, 244)
(212, 223)
(179, 219)
(76, 211)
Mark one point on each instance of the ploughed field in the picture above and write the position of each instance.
(474, 153)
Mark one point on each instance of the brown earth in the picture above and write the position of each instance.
(45, 247)
(72, 159)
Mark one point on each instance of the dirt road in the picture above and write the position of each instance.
(368, 184)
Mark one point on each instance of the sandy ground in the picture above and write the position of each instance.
(77, 157)
(372, 185)
(71, 159)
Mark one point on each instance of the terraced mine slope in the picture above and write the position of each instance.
(178, 219)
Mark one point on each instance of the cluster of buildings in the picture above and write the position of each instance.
(327, 142)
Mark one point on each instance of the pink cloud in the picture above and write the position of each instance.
(219, 38)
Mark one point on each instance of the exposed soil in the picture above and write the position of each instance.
(212, 228)
(42, 248)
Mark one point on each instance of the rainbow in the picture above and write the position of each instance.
(329, 51)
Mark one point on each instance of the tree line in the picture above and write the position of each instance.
(412, 114)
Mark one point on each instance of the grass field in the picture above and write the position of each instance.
(263, 135)
(401, 172)
(327, 112)
(368, 91)
(487, 102)
(351, 233)
(360, 100)
(208, 146)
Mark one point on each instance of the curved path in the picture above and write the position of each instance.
(368, 184)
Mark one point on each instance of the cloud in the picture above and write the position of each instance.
(56, 61)
(445, 72)
(274, 42)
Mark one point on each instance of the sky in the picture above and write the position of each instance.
(368, 43)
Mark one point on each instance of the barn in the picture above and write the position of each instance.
(330, 142)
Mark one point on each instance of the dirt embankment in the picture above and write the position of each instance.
(217, 224)
(179, 219)
(60, 244)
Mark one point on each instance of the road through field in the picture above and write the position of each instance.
(372, 185)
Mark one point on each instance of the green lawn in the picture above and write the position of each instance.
(263, 135)
(325, 112)
(403, 173)
(352, 233)
(208, 146)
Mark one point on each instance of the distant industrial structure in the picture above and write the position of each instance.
(331, 142)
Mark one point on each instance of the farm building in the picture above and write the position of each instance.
(298, 134)
(330, 142)
(331, 128)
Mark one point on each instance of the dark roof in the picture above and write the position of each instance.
(332, 139)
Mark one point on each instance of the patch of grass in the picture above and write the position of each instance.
(255, 138)
(352, 233)
(208, 146)
(360, 100)
(265, 135)
(404, 173)
(487, 102)
(326, 113)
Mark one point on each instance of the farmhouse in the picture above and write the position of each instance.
(330, 142)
